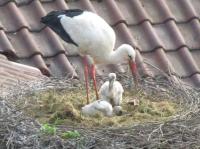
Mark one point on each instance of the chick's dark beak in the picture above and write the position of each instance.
(133, 68)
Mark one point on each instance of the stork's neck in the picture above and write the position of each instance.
(111, 82)
(116, 56)
(120, 55)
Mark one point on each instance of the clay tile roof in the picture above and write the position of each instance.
(166, 33)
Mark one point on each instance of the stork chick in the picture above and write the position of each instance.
(99, 106)
(117, 110)
(112, 90)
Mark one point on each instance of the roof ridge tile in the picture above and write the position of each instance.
(19, 71)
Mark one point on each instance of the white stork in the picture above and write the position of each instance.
(95, 107)
(112, 90)
(92, 36)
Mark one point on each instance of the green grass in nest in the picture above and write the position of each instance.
(63, 107)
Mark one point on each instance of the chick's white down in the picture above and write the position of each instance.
(99, 106)
(112, 91)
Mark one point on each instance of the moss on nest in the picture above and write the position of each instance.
(63, 107)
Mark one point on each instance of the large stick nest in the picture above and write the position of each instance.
(182, 131)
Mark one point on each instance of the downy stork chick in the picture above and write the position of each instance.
(117, 110)
(99, 106)
(112, 90)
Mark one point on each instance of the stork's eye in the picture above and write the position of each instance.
(130, 57)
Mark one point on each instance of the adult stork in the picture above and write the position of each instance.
(92, 36)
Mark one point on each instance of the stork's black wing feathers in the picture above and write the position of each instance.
(53, 21)
(73, 12)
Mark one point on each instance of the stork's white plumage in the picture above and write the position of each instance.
(92, 36)
(95, 107)
(112, 90)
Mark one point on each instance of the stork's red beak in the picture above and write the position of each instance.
(133, 68)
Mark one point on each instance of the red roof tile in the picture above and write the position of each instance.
(165, 33)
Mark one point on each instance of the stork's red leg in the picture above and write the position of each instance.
(94, 81)
(86, 77)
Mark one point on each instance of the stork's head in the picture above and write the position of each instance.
(127, 52)
(111, 78)
(117, 110)
(129, 55)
